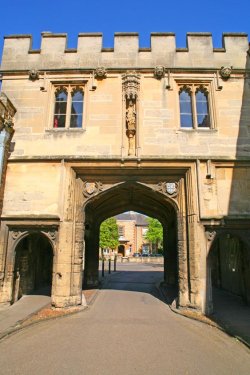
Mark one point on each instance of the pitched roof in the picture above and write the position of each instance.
(140, 220)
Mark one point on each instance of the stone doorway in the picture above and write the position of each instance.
(121, 250)
(33, 266)
(228, 271)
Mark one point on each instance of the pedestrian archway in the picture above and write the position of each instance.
(33, 266)
(131, 196)
(228, 268)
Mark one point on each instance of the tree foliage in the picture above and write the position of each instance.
(155, 231)
(109, 237)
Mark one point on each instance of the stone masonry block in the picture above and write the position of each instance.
(53, 43)
(126, 43)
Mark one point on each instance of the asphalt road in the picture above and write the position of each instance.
(128, 330)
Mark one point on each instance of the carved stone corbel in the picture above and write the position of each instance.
(225, 72)
(159, 72)
(100, 73)
(90, 189)
(33, 75)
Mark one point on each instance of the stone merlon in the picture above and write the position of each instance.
(126, 53)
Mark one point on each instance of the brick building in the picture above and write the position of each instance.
(132, 228)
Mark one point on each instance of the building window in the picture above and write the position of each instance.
(186, 108)
(121, 231)
(194, 107)
(68, 106)
(144, 231)
(202, 111)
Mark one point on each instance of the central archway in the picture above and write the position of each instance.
(131, 196)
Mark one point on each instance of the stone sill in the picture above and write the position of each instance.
(68, 130)
(205, 130)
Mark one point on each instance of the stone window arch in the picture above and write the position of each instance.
(68, 106)
(195, 105)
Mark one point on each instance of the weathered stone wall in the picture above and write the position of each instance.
(48, 166)
(159, 133)
(33, 189)
(158, 129)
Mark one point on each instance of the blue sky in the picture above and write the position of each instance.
(109, 16)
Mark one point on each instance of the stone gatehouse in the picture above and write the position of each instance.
(163, 131)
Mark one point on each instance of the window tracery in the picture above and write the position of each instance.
(68, 106)
(195, 106)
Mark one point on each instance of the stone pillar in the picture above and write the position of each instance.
(91, 271)
(183, 292)
(67, 286)
(170, 269)
(194, 259)
(209, 290)
(61, 291)
(8, 240)
(78, 250)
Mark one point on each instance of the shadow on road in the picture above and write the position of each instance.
(232, 314)
(143, 278)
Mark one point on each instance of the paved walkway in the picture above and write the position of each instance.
(231, 313)
(10, 316)
(128, 330)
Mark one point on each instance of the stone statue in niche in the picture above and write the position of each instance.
(131, 116)
(131, 126)
(131, 87)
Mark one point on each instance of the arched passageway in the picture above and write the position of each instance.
(130, 196)
(228, 268)
(33, 266)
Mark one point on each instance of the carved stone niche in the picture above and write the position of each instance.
(225, 72)
(159, 72)
(100, 73)
(131, 87)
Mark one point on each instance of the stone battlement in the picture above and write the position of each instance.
(126, 53)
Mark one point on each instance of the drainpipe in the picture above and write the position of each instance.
(198, 187)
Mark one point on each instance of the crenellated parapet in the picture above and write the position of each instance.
(90, 53)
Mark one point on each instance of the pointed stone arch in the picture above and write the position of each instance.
(151, 200)
(228, 260)
(40, 238)
(32, 264)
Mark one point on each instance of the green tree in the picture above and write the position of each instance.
(109, 237)
(154, 233)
